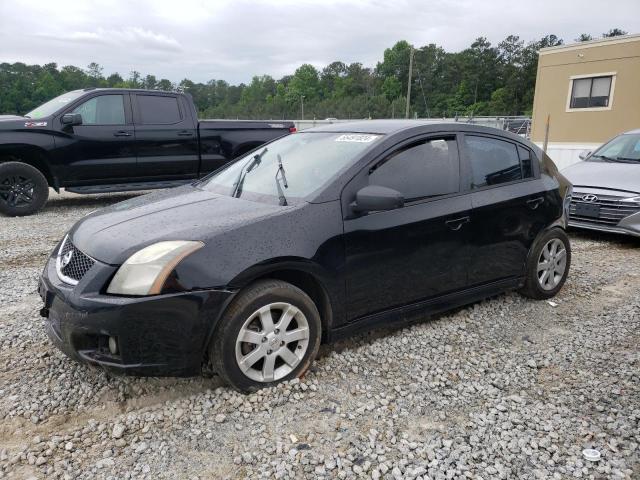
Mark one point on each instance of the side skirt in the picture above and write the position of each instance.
(398, 316)
(128, 187)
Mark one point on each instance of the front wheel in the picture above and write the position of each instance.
(270, 333)
(548, 265)
(23, 189)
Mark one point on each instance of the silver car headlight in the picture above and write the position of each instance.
(145, 272)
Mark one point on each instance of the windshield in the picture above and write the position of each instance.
(623, 148)
(292, 167)
(52, 106)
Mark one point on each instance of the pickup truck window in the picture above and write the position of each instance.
(309, 161)
(52, 106)
(102, 110)
(158, 110)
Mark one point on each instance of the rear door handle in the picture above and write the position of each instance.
(457, 223)
(535, 202)
(122, 133)
(185, 133)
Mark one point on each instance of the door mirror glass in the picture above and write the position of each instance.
(584, 154)
(375, 198)
(71, 119)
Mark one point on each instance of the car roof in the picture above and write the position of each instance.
(124, 89)
(387, 127)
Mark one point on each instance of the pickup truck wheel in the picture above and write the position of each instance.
(270, 333)
(23, 189)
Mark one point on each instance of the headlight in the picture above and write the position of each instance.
(145, 272)
(632, 200)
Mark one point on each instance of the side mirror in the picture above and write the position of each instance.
(584, 154)
(71, 119)
(375, 198)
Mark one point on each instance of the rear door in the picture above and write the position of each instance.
(102, 149)
(166, 137)
(510, 206)
(416, 252)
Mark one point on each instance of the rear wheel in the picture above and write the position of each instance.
(270, 333)
(23, 189)
(548, 265)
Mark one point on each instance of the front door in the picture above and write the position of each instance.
(417, 252)
(102, 149)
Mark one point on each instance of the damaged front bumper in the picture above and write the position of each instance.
(162, 335)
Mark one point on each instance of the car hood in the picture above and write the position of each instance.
(12, 122)
(113, 234)
(607, 175)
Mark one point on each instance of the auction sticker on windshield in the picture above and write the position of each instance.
(357, 138)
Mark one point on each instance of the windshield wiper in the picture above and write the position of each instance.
(280, 171)
(629, 159)
(604, 157)
(246, 168)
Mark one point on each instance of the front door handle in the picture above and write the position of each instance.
(122, 133)
(457, 223)
(185, 133)
(535, 202)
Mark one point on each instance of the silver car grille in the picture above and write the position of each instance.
(612, 209)
(71, 263)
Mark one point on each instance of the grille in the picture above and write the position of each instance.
(612, 209)
(78, 265)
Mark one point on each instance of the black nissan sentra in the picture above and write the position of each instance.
(304, 240)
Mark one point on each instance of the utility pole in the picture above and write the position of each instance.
(406, 113)
(302, 106)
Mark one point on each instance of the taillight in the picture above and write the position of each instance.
(293, 129)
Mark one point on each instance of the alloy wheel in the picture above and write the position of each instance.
(552, 264)
(272, 342)
(16, 190)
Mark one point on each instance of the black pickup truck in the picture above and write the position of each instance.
(101, 140)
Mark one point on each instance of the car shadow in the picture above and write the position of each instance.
(624, 241)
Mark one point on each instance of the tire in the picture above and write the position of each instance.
(23, 189)
(538, 284)
(279, 355)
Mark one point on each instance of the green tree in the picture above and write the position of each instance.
(584, 37)
(614, 32)
(94, 72)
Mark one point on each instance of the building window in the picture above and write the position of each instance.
(591, 92)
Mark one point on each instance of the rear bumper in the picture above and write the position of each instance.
(164, 335)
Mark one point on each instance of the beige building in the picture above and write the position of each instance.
(590, 92)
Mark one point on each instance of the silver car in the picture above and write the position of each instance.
(606, 187)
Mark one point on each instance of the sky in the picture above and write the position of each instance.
(234, 40)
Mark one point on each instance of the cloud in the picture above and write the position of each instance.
(136, 37)
(236, 39)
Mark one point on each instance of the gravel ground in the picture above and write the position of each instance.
(506, 388)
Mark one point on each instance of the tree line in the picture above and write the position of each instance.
(483, 79)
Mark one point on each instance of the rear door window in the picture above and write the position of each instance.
(426, 169)
(494, 161)
(158, 109)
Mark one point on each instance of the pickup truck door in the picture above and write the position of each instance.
(103, 147)
(166, 137)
